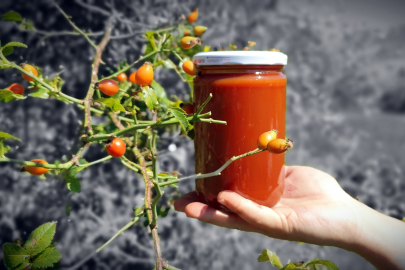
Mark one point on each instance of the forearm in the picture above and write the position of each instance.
(381, 239)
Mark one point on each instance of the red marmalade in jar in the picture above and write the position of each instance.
(249, 93)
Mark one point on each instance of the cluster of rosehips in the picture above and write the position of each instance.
(17, 88)
(275, 146)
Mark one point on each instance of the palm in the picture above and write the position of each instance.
(313, 209)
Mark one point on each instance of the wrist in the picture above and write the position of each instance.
(379, 238)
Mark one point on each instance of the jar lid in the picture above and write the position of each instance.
(240, 58)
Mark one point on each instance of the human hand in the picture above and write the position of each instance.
(313, 209)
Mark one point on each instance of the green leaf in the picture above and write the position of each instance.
(112, 104)
(7, 96)
(329, 264)
(12, 16)
(3, 65)
(207, 48)
(270, 256)
(15, 44)
(40, 238)
(27, 25)
(4, 149)
(47, 258)
(7, 51)
(72, 182)
(21, 266)
(40, 93)
(14, 255)
(7, 136)
(179, 114)
(151, 38)
(150, 98)
(290, 266)
(160, 92)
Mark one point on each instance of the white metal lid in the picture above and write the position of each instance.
(240, 58)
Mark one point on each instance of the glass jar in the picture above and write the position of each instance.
(249, 93)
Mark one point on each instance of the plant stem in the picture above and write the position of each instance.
(159, 192)
(128, 67)
(75, 27)
(86, 102)
(97, 161)
(218, 172)
(168, 183)
(123, 229)
(101, 137)
(66, 165)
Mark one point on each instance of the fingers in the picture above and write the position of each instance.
(208, 214)
(180, 204)
(251, 212)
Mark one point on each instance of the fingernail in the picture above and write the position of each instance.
(221, 201)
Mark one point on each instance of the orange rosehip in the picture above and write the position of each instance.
(265, 138)
(279, 146)
(189, 42)
(108, 87)
(30, 69)
(35, 170)
(122, 77)
(116, 147)
(190, 68)
(16, 88)
(132, 77)
(246, 49)
(187, 107)
(193, 16)
(186, 32)
(144, 75)
(199, 30)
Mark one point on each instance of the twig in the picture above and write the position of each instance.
(75, 27)
(159, 192)
(66, 165)
(99, 51)
(218, 172)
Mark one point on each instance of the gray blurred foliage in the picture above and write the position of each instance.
(346, 107)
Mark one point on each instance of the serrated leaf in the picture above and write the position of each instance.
(15, 44)
(7, 136)
(150, 37)
(112, 104)
(329, 264)
(150, 98)
(7, 51)
(179, 115)
(40, 238)
(159, 91)
(12, 16)
(40, 93)
(7, 96)
(270, 256)
(21, 266)
(290, 266)
(47, 258)
(14, 255)
(4, 149)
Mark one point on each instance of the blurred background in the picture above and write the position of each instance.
(346, 115)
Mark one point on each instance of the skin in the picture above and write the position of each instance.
(313, 209)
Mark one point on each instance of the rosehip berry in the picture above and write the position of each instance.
(108, 87)
(116, 147)
(279, 146)
(252, 43)
(35, 170)
(190, 68)
(199, 30)
(246, 49)
(189, 42)
(16, 88)
(265, 138)
(144, 75)
(186, 33)
(193, 16)
(122, 77)
(29, 69)
(132, 78)
(187, 107)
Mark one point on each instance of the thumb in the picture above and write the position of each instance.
(250, 211)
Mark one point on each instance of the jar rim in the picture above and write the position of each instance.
(240, 58)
